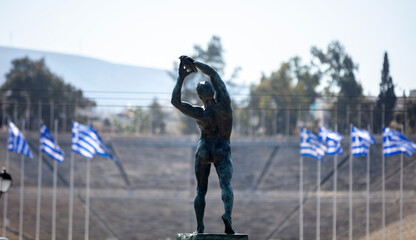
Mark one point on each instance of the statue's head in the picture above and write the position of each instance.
(205, 91)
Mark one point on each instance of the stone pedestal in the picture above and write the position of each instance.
(211, 236)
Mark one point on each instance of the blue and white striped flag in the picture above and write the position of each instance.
(395, 143)
(332, 140)
(87, 142)
(310, 145)
(16, 141)
(48, 145)
(360, 140)
(103, 150)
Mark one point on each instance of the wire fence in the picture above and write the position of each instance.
(281, 119)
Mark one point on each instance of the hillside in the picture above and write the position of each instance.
(91, 75)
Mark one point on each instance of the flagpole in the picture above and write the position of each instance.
(87, 199)
(38, 203)
(87, 135)
(22, 179)
(401, 194)
(383, 220)
(318, 201)
(5, 196)
(301, 191)
(55, 178)
(334, 219)
(370, 129)
(71, 196)
(87, 196)
(350, 191)
(301, 198)
(367, 222)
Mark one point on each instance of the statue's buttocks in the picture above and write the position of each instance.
(212, 150)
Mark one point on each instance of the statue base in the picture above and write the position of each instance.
(210, 236)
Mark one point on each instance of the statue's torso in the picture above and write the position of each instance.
(217, 122)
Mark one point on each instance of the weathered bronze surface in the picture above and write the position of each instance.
(215, 120)
(204, 236)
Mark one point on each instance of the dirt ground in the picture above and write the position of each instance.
(149, 195)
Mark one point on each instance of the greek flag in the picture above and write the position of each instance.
(103, 150)
(87, 142)
(332, 140)
(48, 145)
(394, 143)
(360, 140)
(16, 141)
(310, 145)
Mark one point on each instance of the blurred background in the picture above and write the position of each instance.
(286, 65)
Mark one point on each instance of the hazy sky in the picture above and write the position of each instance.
(257, 35)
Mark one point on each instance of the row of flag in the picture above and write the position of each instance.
(329, 143)
(85, 141)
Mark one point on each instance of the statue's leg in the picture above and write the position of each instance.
(202, 170)
(225, 171)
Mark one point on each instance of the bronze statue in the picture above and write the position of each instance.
(215, 120)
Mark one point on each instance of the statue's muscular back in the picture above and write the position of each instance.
(215, 118)
(216, 121)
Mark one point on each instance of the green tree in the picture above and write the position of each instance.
(158, 117)
(133, 121)
(29, 82)
(213, 56)
(137, 120)
(293, 85)
(339, 69)
(386, 97)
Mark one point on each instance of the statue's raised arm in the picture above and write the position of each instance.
(222, 95)
(192, 111)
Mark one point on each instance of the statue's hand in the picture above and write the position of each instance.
(186, 66)
(187, 59)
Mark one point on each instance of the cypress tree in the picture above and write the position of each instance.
(386, 95)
